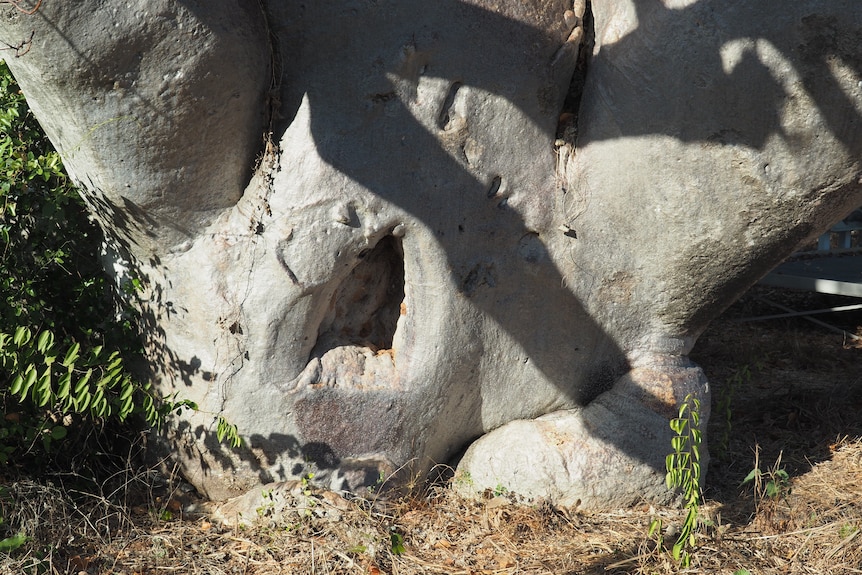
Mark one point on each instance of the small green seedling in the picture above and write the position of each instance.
(396, 541)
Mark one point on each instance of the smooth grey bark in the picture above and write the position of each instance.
(373, 232)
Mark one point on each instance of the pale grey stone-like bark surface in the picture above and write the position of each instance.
(370, 238)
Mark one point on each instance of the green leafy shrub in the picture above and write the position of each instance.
(61, 348)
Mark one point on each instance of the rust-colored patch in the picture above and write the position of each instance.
(657, 388)
(556, 437)
(403, 308)
(390, 352)
(618, 288)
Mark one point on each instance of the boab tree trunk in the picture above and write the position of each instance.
(373, 232)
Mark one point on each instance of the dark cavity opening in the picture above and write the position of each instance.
(365, 308)
(567, 129)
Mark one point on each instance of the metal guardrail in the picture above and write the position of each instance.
(841, 236)
(835, 267)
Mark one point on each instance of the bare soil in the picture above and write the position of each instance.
(787, 397)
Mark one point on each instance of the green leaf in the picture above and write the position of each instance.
(45, 341)
(98, 396)
(685, 563)
(654, 527)
(684, 534)
(17, 383)
(751, 475)
(82, 383)
(72, 355)
(22, 336)
(772, 489)
(29, 379)
(42, 390)
(83, 400)
(115, 361)
(100, 407)
(108, 381)
(10, 544)
(126, 407)
(127, 389)
(397, 543)
(64, 385)
(59, 432)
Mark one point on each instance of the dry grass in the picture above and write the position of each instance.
(797, 412)
(815, 528)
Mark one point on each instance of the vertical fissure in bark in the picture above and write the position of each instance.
(567, 129)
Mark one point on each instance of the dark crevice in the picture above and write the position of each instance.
(445, 117)
(272, 98)
(495, 186)
(567, 129)
(382, 98)
(365, 308)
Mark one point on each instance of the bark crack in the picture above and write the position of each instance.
(567, 129)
